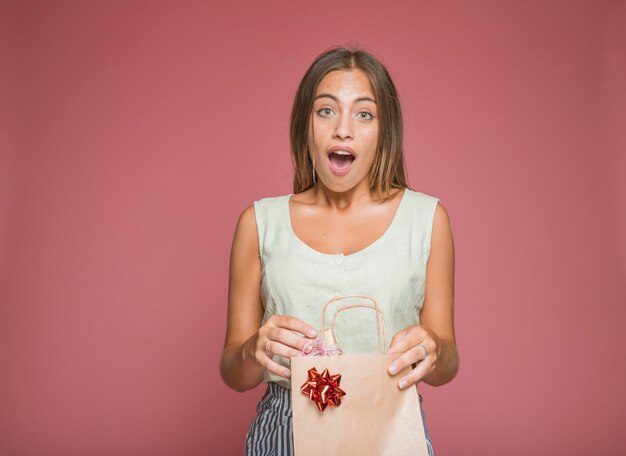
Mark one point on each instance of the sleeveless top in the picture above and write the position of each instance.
(298, 280)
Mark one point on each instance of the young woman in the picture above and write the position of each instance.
(351, 226)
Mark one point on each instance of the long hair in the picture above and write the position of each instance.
(388, 169)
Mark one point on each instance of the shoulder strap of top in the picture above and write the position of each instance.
(421, 213)
(260, 208)
(268, 213)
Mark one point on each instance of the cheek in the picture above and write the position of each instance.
(316, 132)
(372, 138)
(313, 139)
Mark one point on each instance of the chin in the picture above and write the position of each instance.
(342, 186)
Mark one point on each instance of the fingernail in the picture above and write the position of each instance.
(402, 384)
(307, 348)
(393, 369)
(287, 373)
(312, 332)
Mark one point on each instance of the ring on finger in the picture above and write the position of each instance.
(425, 351)
(267, 348)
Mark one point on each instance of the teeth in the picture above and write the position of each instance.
(341, 152)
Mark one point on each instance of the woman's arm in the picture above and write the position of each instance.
(435, 335)
(245, 358)
(238, 368)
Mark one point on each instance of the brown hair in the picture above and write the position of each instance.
(388, 168)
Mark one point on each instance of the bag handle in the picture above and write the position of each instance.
(379, 316)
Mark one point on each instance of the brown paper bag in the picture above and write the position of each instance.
(374, 417)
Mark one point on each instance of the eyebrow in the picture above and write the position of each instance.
(321, 95)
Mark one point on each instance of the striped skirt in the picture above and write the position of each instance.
(270, 433)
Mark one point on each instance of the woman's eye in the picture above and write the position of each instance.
(365, 115)
(325, 111)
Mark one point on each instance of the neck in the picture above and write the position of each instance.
(359, 194)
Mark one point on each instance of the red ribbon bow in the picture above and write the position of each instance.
(323, 389)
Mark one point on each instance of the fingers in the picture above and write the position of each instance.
(415, 375)
(423, 347)
(293, 324)
(406, 339)
(264, 355)
(279, 336)
(285, 339)
(413, 355)
(414, 345)
(286, 344)
(268, 363)
(395, 347)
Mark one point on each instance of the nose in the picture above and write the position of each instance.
(343, 128)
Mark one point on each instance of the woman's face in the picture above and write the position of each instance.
(344, 130)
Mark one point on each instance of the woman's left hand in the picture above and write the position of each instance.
(416, 344)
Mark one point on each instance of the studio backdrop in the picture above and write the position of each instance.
(133, 134)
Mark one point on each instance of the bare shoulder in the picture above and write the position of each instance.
(246, 232)
(247, 218)
(442, 230)
(442, 219)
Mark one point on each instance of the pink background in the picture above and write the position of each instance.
(134, 133)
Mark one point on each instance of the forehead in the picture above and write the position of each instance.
(346, 84)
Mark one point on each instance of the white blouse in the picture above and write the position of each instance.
(298, 280)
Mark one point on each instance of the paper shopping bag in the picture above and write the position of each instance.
(350, 405)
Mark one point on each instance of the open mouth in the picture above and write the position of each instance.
(340, 160)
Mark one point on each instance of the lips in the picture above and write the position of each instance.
(340, 159)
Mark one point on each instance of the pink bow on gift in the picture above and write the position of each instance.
(331, 348)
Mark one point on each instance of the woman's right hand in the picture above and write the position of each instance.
(279, 335)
